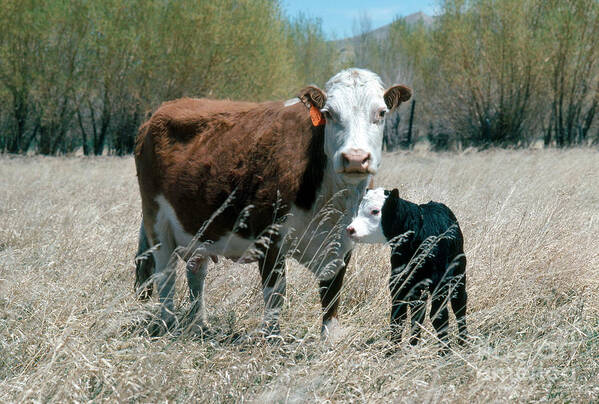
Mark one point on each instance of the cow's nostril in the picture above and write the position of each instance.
(355, 161)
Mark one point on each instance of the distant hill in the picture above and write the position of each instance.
(346, 45)
(383, 31)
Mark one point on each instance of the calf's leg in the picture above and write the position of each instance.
(399, 302)
(459, 301)
(418, 310)
(399, 312)
(406, 290)
(440, 314)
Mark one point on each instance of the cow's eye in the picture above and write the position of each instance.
(375, 212)
(380, 115)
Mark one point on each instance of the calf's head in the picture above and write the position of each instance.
(366, 227)
(355, 105)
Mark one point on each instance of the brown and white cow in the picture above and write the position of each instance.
(260, 182)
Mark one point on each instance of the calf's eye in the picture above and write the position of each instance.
(375, 212)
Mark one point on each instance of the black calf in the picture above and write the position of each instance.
(427, 258)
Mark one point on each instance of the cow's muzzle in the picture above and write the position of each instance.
(356, 161)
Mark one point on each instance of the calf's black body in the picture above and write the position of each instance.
(427, 258)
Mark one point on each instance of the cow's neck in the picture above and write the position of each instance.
(322, 186)
(341, 195)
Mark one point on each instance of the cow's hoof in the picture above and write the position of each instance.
(331, 331)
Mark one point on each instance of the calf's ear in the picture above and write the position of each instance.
(395, 193)
(313, 96)
(396, 95)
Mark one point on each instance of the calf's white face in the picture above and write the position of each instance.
(366, 226)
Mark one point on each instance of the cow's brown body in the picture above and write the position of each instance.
(198, 152)
(260, 159)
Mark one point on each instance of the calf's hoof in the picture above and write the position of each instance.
(160, 327)
(465, 340)
(444, 348)
(268, 333)
(395, 334)
(271, 332)
(199, 330)
(144, 293)
(331, 330)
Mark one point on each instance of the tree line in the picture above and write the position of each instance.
(80, 75)
(502, 73)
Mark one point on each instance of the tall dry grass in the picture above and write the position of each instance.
(68, 317)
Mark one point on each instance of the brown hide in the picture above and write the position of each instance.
(197, 152)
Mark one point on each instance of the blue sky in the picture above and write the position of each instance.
(338, 16)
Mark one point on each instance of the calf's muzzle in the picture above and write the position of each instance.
(355, 161)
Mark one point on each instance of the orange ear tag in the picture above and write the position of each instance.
(317, 116)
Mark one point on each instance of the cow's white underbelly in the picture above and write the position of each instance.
(317, 242)
(230, 245)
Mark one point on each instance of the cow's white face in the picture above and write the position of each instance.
(366, 226)
(355, 110)
(355, 105)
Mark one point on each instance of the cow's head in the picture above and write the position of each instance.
(355, 105)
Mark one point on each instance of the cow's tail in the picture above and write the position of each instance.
(144, 267)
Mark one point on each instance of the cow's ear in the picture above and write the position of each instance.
(396, 95)
(313, 95)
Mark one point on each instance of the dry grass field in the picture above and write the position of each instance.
(69, 322)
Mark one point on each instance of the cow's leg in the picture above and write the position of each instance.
(165, 278)
(144, 267)
(440, 316)
(197, 267)
(459, 300)
(272, 272)
(330, 290)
